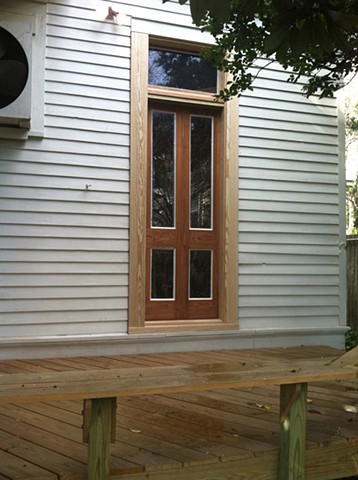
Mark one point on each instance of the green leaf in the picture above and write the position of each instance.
(220, 10)
(276, 38)
(344, 20)
(198, 8)
(300, 40)
(322, 36)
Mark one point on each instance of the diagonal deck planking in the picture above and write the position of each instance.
(226, 434)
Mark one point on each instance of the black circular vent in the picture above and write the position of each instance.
(14, 68)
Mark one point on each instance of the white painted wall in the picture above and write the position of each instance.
(289, 207)
(65, 201)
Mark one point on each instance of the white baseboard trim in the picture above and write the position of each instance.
(123, 344)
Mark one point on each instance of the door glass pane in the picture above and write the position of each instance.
(163, 169)
(201, 172)
(181, 70)
(200, 274)
(162, 274)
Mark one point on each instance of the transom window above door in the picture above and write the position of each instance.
(181, 70)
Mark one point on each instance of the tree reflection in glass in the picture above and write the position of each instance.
(200, 274)
(163, 169)
(200, 172)
(181, 70)
(162, 274)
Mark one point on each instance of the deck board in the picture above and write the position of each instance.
(202, 435)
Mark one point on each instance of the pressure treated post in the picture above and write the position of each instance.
(293, 417)
(99, 438)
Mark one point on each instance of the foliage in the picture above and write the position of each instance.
(351, 340)
(313, 39)
(352, 202)
(352, 124)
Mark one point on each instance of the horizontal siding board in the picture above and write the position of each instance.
(64, 182)
(289, 238)
(255, 183)
(84, 148)
(293, 131)
(64, 231)
(78, 256)
(281, 95)
(271, 82)
(288, 164)
(90, 91)
(63, 292)
(281, 269)
(288, 196)
(293, 176)
(50, 305)
(318, 121)
(56, 79)
(88, 124)
(279, 104)
(293, 207)
(257, 151)
(47, 169)
(291, 301)
(62, 317)
(101, 139)
(64, 112)
(26, 268)
(102, 327)
(297, 218)
(265, 281)
(268, 258)
(266, 312)
(120, 48)
(89, 36)
(98, 104)
(67, 243)
(273, 133)
(45, 218)
(286, 144)
(62, 280)
(64, 195)
(284, 228)
(120, 58)
(33, 154)
(290, 249)
(292, 291)
(290, 322)
(84, 68)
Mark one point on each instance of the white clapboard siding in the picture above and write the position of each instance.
(64, 237)
(65, 197)
(288, 208)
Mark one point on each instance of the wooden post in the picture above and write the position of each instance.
(293, 417)
(100, 433)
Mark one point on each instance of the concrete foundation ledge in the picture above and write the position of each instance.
(116, 344)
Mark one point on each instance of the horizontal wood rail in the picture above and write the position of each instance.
(99, 389)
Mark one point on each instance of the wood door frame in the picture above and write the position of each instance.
(228, 261)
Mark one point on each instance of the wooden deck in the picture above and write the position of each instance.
(223, 435)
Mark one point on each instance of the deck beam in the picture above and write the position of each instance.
(293, 420)
(100, 434)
